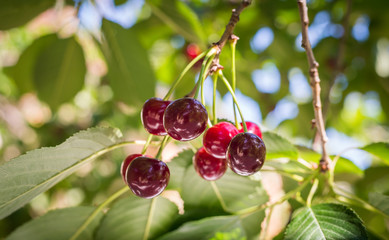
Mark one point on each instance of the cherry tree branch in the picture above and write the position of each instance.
(315, 83)
(228, 33)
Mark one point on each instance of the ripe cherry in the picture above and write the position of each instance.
(209, 167)
(246, 154)
(192, 51)
(126, 162)
(251, 128)
(147, 177)
(217, 138)
(185, 119)
(152, 116)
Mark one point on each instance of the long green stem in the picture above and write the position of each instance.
(148, 141)
(163, 144)
(97, 212)
(186, 69)
(233, 71)
(234, 98)
(219, 196)
(312, 192)
(203, 71)
(204, 76)
(214, 99)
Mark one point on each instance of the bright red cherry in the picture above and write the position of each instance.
(209, 167)
(152, 116)
(217, 138)
(185, 119)
(192, 51)
(246, 154)
(251, 128)
(147, 177)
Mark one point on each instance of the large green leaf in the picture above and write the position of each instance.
(379, 149)
(137, 218)
(177, 167)
(277, 146)
(59, 71)
(180, 18)
(326, 221)
(28, 175)
(380, 201)
(236, 192)
(58, 224)
(14, 13)
(223, 227)
(23, 72)
(130, 74)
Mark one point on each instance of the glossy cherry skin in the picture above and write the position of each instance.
(251, 128)
(126, 162)
(152, 116)
(209, 167)
(185, 119)
(246, 154)
(217, 138)
(147, 177)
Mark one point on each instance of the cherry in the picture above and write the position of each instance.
(192, 51)
(185, 119)
(126, 162)
(246, 154)
(209, 167)
(147, 177)
(152, 116)
(217, 138)
(251, 128)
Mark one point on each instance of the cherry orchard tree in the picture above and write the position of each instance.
(140, 113)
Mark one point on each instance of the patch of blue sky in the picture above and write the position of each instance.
(267, 79)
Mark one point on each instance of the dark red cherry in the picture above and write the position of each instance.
(152, 116)
(246, 154)
(217, 138)
(126, 162)
(251, 128)
(185, 119)
(209, 167)
(147, 177)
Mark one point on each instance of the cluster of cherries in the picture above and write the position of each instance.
(186, 119)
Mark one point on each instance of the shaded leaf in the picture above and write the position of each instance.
(137, 218)
(130, 74)
(58, 224)
(180, 18)
(380, 201)
(28, 175)
(59, 71)
(235, 191)
(14, 13)
(379, 149)
(277, 146)
(177, 167)
(23, 72)
(326, 221)
(221, 227)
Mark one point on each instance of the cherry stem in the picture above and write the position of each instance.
(233, 73)
(312, 192)
(163, 144)
(214, 99)
(233, 97)
(186, 69)
(204, 71)
(97, 211)
(148, 141)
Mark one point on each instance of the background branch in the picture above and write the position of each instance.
(315, 83)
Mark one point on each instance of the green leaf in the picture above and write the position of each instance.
(213, 228)
(130, 74)
(137, 218)
(326, 221)
(234, 191)
(58, 224)
(379, 149)
(23, 72)
(379, 201)
(278, 147)
(177, 167)
(180, 18)
(14, 13)
(59, 71)
(28, 175)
